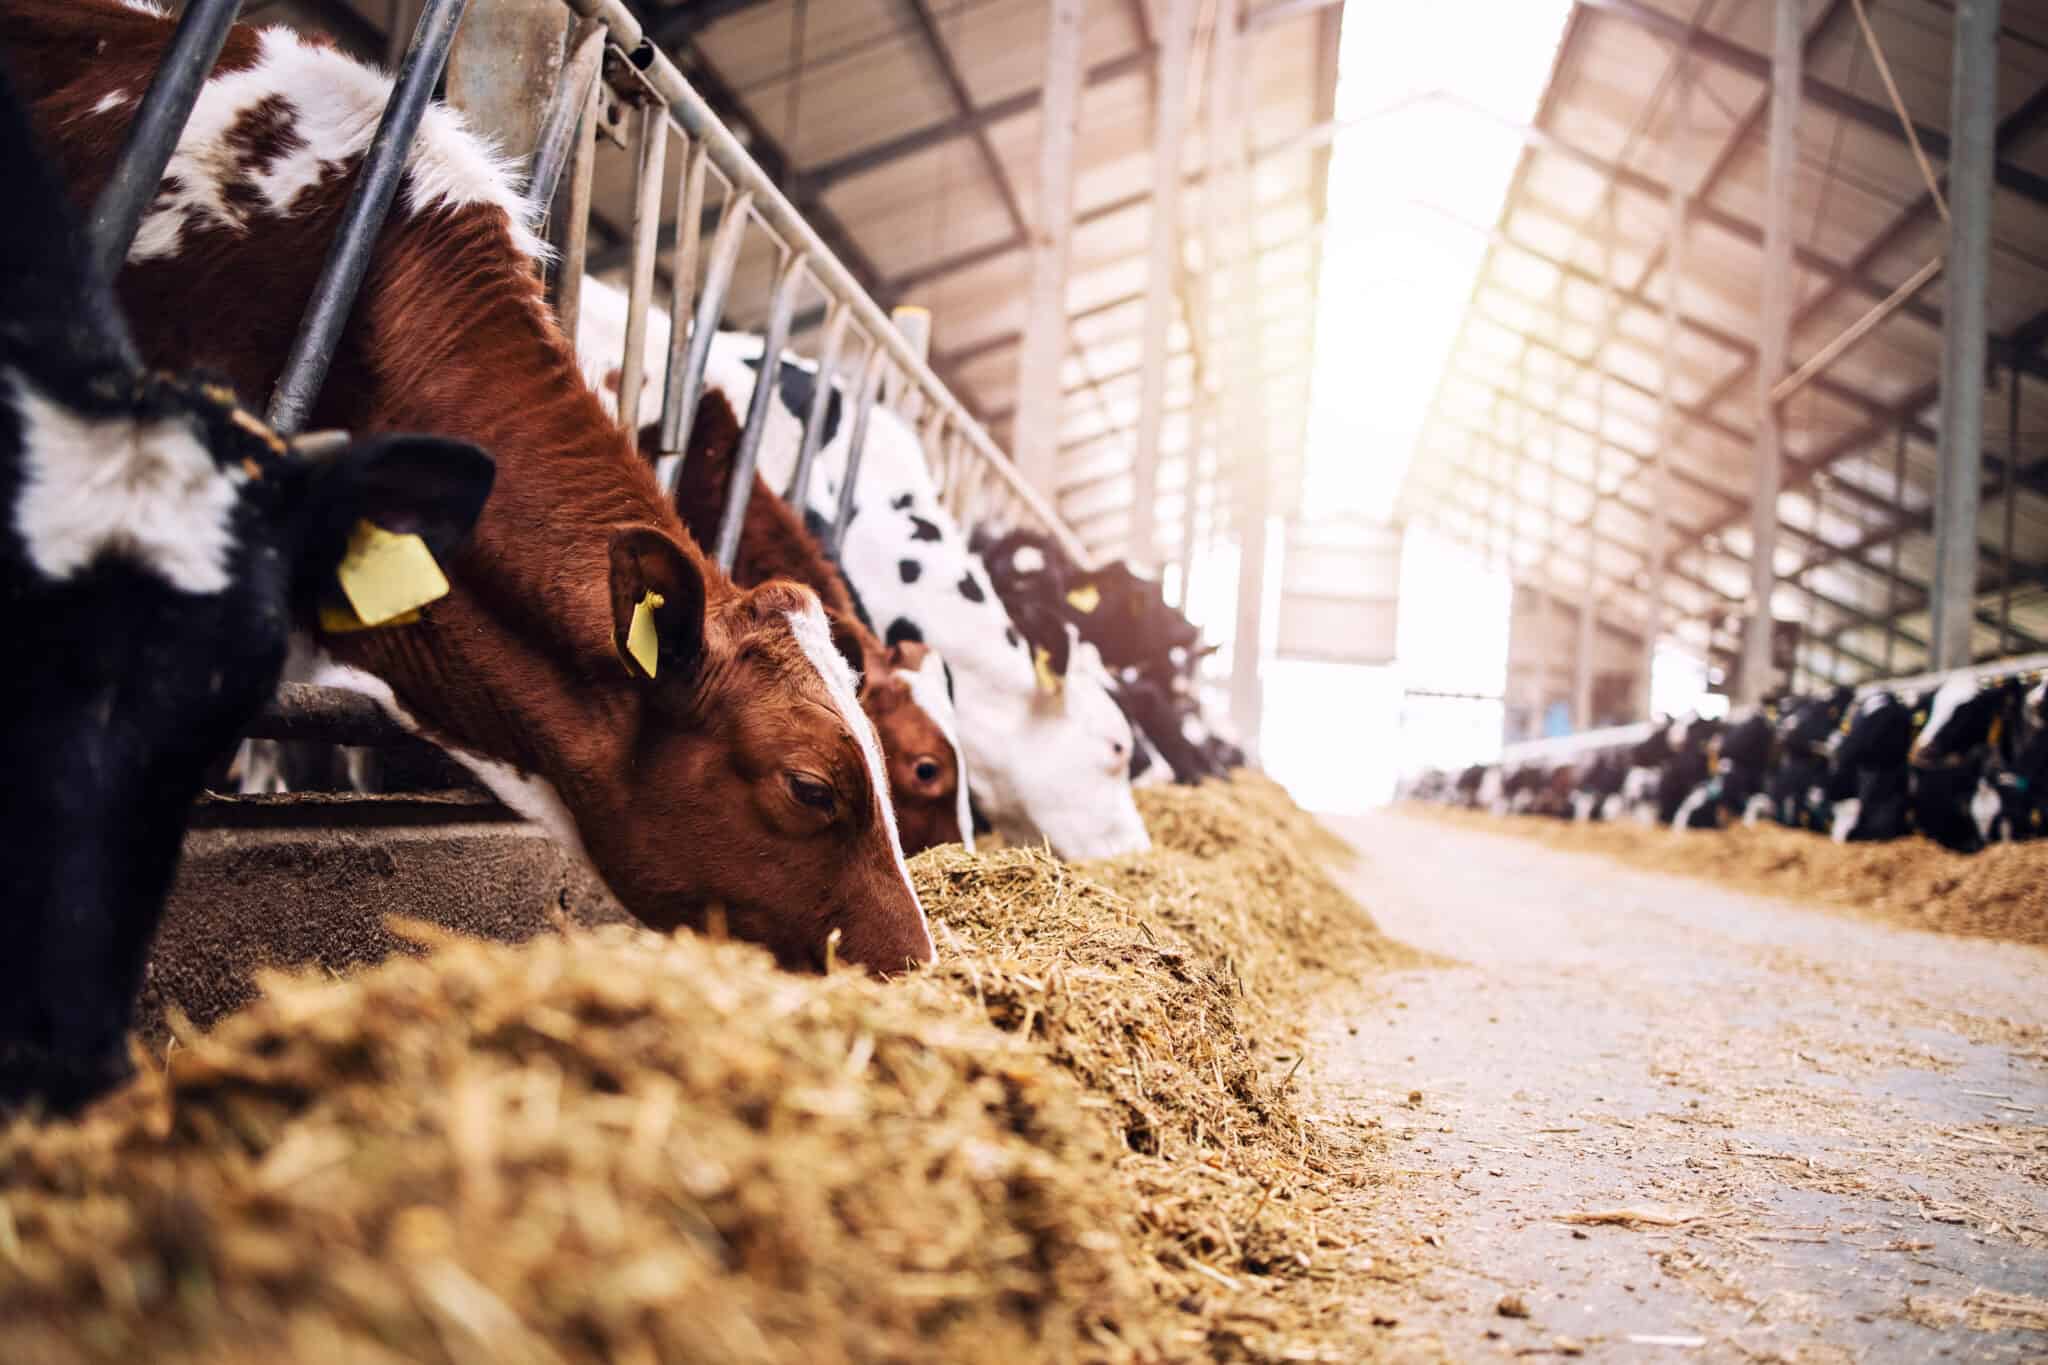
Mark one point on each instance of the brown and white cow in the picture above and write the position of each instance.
(905, 688)
(733, 780)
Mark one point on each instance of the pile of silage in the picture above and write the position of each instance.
(2000, 893)
(1076, 1139)
(609, 1146)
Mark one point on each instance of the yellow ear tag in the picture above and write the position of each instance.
(642, 642)
(386, 574)
(1085, 599)
(1048, 681)
(338, 618)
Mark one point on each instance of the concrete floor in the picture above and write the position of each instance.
(1815, 1138)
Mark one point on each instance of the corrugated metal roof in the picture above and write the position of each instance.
(1863, 222)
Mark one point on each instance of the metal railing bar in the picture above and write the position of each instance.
(572, 228)
(788, 281)
(821, 403)
(725, 254)
(154, 132)
(864, 403)
(782, 219)
(564, 118)
(675, 418)
(362, 219)
(650, 142)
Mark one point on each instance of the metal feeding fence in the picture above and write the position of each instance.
(609, 63)
(610, 58)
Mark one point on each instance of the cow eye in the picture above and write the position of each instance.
(927, 770)
(812, 793)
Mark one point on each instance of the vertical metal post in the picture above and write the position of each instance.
(1036, 435)
(555, 141)
(1891, 581)
(153, 134)
(650, 147)
(2012, 493)
(1251, 458)
(570, 226)
(1973, 114)
(781, 304)
(682, 295)
(821, 397)
(863, 406)
(1788, 49)
(1201, 424)
(1169, 129)
(725, 254)
(1546, 670)
(1589, 606)
(362, 218)
(505, 65)
(1679, 174)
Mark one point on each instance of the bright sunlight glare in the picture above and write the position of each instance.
(1397, 272)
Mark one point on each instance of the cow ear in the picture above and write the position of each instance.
(850, 641)
(425, 486)
(657, 592)
(379, 521)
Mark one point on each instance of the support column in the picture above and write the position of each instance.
(1678, 174)
(1973, 115)
(1786, 61)
(1169, 129)
(1891, 582)
(1044, 352)
(1582, 670)
(1250, 459)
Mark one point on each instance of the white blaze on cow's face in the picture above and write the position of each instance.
(1847, 815)
(931, 689)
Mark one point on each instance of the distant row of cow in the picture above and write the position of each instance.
(515, 587)
(1964, 764)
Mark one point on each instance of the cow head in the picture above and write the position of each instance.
(157, 544)
(746, 788)
(908, 692)
(906, 695)
(1964, 722)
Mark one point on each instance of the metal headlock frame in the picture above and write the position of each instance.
(962, 454)
(965, 461)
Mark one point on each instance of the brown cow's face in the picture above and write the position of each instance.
(756, 795)
(924, 771)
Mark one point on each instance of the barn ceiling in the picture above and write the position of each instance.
(1547, 419)
(907, 132)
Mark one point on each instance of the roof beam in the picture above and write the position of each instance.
(1877, 118)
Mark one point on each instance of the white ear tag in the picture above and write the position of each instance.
(386, 574)
(642, 640)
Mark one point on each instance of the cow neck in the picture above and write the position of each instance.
(520, 660)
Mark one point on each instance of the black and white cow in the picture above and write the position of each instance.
(1869, 793)
(1688, 765)
(1797, 784)
(160, 543)
(1149, 648)
(1956, 756)
(1738, 762)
